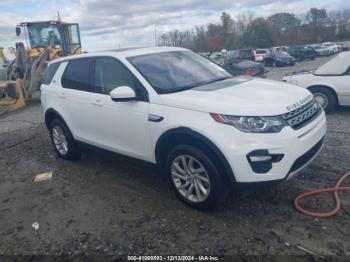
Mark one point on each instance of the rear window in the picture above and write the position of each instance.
(77, 75)
(50, 72)
(261, 52)
(246, 54)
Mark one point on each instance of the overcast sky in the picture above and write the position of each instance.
(106, 24)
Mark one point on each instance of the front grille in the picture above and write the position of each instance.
(305, 158)
(303, 115)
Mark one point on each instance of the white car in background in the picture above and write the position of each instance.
(332, 46)
(330, 83)
(321, 50)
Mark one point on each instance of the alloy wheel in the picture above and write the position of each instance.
(60, 140)
(321, 99)
(190, 178)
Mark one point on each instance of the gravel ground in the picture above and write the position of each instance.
(107, 204)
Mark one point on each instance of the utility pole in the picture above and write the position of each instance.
(155, 34)
(58, 16)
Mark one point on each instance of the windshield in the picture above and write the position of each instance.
(175, 71)
(43, 35)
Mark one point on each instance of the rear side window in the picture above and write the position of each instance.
(50, 72)
(77, 75)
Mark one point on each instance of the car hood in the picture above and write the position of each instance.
(241, 96)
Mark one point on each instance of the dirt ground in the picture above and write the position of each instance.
(107, 204)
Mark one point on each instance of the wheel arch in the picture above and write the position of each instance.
(185, 135)
(328, 87)
(52, 114)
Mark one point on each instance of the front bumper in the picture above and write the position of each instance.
(298, 147)
(286, 62)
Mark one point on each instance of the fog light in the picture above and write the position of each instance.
(261, 160)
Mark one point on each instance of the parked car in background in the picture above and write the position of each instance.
(301, 53)
(216, 55)
(205, 129)
(321, 50)
(344, 46)
(332, 47)
(246, 54)
(329, 83)
(279, 49)
(260, 54)
(279, 58)
(236, 65)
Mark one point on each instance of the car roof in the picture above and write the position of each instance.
(123, 53)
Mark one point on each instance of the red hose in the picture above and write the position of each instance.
(320, 191)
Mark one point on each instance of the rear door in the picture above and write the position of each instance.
(121, 126)
(76, 96)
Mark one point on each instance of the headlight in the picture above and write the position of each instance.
(252, 124)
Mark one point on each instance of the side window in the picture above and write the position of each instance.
(76, 76)
(49, 74)
(110, 73)
(348, 71)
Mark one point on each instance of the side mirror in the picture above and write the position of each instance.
(123, 93)
(18, 30)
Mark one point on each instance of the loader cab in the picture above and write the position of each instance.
(55, 34)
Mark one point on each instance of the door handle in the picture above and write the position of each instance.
(62, 95)
(97, 102)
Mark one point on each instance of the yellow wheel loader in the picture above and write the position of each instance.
(46, 41)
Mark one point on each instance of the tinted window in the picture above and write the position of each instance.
(348, 71)
(50, 72)
(175, 71)
(76, 75)
(110, 73)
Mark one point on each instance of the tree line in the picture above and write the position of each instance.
(248, 31)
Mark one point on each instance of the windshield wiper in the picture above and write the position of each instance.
(218, 80)
(199, 84)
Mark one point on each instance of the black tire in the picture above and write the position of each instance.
(73, 153)
(332, 99)
(3, 74)
(10, 68)
(218, 187)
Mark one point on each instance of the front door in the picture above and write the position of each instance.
(121, 126)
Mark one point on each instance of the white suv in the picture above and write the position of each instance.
(206, 129)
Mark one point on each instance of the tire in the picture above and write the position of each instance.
(324, 93)
(10, 68)
(3, 74)
(216, 187)
(70, 150)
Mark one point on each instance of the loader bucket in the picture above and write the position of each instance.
(12, 96)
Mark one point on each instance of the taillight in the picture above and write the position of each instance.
(249, 73)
